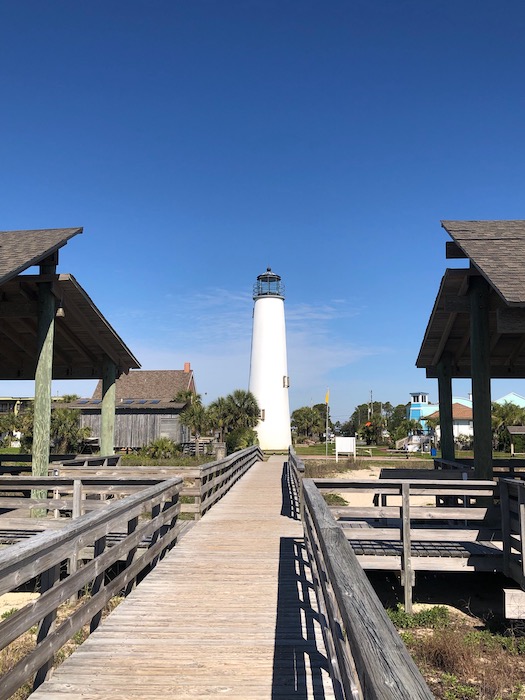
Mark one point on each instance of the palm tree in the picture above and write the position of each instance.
(195, 417)
(243, 408)
(187, 396)
(220, 416)
(66, 433)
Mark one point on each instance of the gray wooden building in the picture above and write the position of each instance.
(144, 407)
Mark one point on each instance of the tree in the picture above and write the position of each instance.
(65, 432)
(196, 418)
(220, 416)
(8, 426)
(308, 421)
(396, 417)
(244, 409)
(187, 396)
(406, 428)
(504, 415)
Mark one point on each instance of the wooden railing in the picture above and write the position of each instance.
(52, 559)
(296, 467)
(203, 485)
(512, 495)
(424, 525)
(367, 657)
(18, 463)
(90, 461)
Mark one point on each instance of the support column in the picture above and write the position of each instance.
(480, 361)
(43, 376)
(444, 372)
(107, 415)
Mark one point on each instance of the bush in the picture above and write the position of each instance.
(161, 448)
(240, 438)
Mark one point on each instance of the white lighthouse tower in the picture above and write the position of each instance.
(269, 380)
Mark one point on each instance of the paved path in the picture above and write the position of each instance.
(228, 613)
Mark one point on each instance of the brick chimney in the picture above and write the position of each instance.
(187, 368)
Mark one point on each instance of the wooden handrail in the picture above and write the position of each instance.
(512, 494)
(42, 556)
(367, 657)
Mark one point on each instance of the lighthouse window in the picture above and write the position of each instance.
(286, 382)
(262, 414)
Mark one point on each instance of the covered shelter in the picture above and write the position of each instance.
(51, 329)
(515, 431)
(477, 326)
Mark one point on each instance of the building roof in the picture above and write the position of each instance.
(162, 384)
(23, 249)
(137, 405)
(459, 412)
(83, 337)
(516, 429)
(496, 251)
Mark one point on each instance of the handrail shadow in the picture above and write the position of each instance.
(298, 665)
(290, 497)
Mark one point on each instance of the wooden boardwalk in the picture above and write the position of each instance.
(230, 612)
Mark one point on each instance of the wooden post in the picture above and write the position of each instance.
(446, 425)
(47, 581)
(43, 377)
(107, 415)
(480, 361)
(407, 575)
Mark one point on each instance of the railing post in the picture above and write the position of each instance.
(98, 583)
(505, 523)
(47, 581)
(407, 575)
(521, 513)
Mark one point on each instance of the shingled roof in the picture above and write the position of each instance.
(162, 384)
(83, 338)
(459, 412)
(20, 250)
(497, 250)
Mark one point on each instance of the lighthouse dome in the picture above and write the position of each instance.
(268, 284)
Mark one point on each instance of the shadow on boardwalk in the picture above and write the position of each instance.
(298, 665)
(291, 500)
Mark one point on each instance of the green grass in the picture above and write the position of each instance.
(432, 618)
(334, 499)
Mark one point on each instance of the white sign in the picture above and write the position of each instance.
(344, 445)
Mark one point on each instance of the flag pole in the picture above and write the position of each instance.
(327, 398)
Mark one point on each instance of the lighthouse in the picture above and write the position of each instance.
(269, 379)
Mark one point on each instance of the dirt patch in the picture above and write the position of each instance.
(8, 601)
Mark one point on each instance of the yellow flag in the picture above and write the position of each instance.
(327, 397)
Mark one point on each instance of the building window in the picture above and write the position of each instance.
(286, 382)
(262, 414)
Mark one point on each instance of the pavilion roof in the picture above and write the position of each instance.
(83, 337)
(23, 249)
(496, 251)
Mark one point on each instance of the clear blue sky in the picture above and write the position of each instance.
(199, 141)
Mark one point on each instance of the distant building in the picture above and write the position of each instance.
(461, 420)
(420, 407)
(512, 397)
(144, 407)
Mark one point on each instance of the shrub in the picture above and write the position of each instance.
(240, 438)
(161, 448)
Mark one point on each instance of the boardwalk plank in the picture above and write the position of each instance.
(229, 612)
